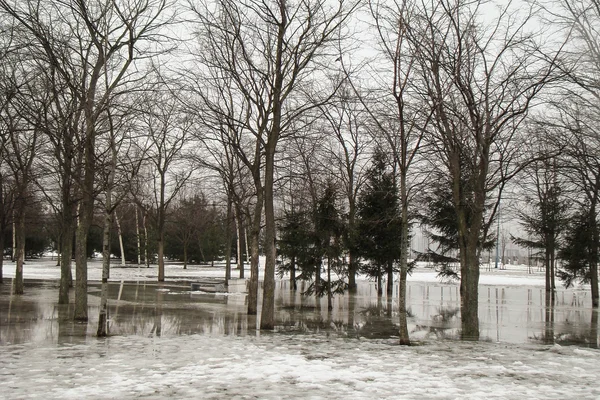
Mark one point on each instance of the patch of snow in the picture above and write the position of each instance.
(272, 366)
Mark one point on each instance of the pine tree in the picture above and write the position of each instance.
(579, 252)
(329, 231)
(296, 246)
(308, 239)
(441, 220)
(379, 222)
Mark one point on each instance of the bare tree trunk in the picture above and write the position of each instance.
(2, 228)
(103, 316)
(379, 284)
(137, 235)
(185, 255)
(267, 318)
(469, 291)
(403, 334)
(161, 255)
(1, 250)
(594, 251)
(13, 256)
(85, 221)
(81, 303)
(329, 294)
(146, 255)
(240, 232)
(390, 278)
(253, 284)
(548, 265)
(121, 247)
(403, 331)
(66, 254)
(19, 245)
(293, 283)
(246, 243)
(228, 239)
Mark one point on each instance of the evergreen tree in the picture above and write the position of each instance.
(329, 231)
(379, 222)
(296, 245)
(311, 241)
(544, 224)
(441, 220)
(579, 252)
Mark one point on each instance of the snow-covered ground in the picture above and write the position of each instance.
(47, 269)
(274, 366)
(293, 365)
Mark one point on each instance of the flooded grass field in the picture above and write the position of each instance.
(516, 314)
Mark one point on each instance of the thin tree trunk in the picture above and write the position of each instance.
(329, 294)
(228, 239)
(103, 316)
(240, 256)
(146, 253)
(293, 284)
(137, 235)
(161, 255)
(246, 243)
(121, 247)
(1, 250)
(19, 235)
(66, 254)
(352, 262)
(403, 330)
(185, 254)
(548, 265)
(390, 278)
(58, 251)
(108, 220)
(13, 256)
(379, 284)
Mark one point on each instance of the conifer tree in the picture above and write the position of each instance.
(578, 253)
(380, 224)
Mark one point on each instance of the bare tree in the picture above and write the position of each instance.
(346, 118)
(271, 50)
(543, 214)
(118, 173)
(19, 119)
(481, 81)
(578, 109)
(397, 116)
(86, 42)
(168, 132)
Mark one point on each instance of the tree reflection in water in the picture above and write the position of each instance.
(508, 314)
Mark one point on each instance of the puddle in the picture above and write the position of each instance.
(507, 314)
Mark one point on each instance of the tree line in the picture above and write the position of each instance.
(324, 130)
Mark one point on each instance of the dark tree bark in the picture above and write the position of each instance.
(478, 108)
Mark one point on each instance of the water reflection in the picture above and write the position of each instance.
(507, 314)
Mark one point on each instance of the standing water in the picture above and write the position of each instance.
(517, 314)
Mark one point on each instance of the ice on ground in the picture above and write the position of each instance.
(276, 366)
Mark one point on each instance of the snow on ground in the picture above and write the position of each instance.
(289, 365)
(511, 275)
(275, 366)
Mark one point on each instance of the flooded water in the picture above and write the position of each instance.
(519, 314)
